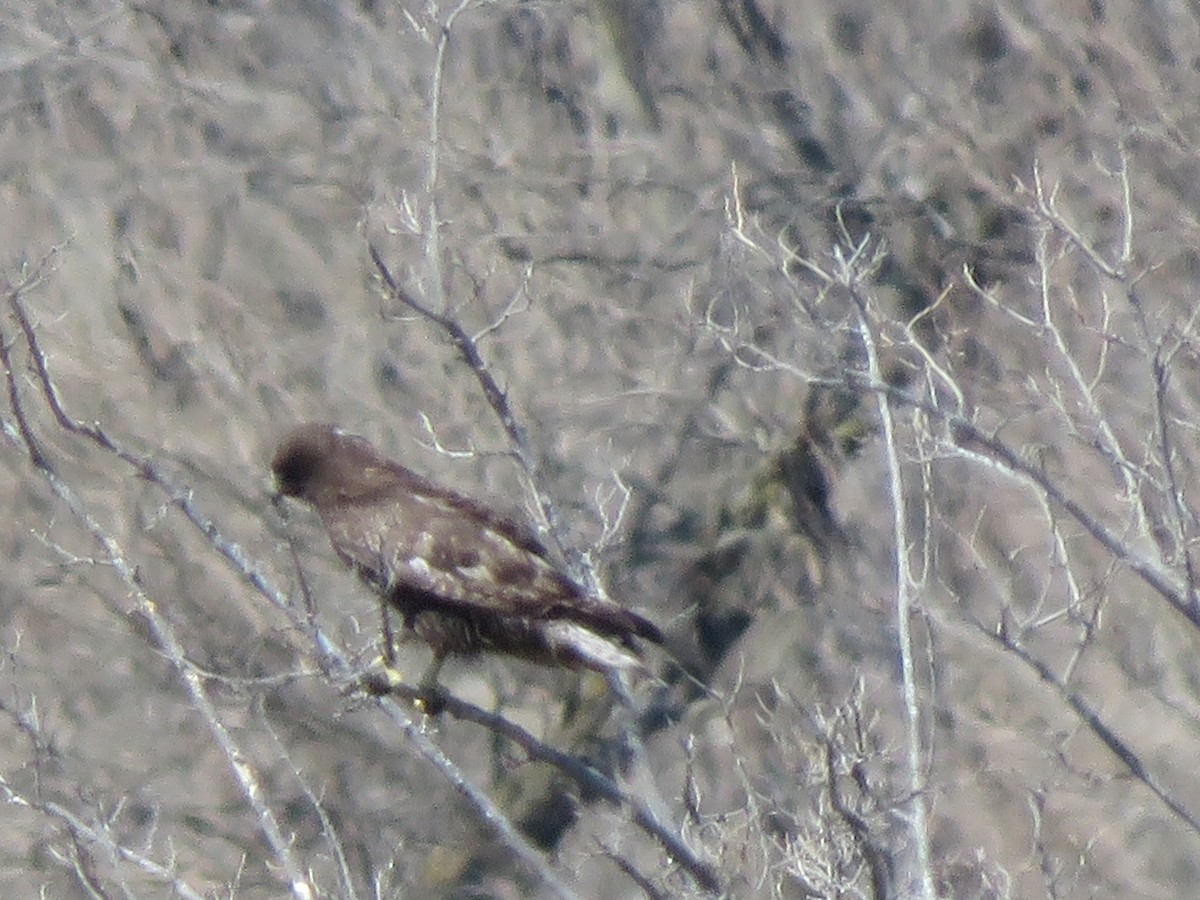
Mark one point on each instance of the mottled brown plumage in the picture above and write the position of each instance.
(464, 578)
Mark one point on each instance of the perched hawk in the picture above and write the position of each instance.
(464, 578)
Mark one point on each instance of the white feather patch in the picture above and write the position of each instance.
(420, 566)
(593, 650)
(474, 573)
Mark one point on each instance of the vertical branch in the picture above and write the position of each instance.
(433, 224)
(1181, 514)
(851, 275)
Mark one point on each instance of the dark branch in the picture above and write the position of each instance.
(1126, 754)
(588, 778)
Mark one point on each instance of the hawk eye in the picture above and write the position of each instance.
(293, 472)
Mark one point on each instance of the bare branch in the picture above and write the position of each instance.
(1095, 724)
(587, 777)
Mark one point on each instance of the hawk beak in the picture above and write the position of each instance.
(275, 494)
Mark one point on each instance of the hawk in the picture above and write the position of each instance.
(464, 578)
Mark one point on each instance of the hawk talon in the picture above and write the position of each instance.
(382, 679)
(390, 673)
(372, 684)
(432, 701)
(385, 679)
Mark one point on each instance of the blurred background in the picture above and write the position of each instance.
(684, 233)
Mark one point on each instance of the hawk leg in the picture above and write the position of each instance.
(433, 699)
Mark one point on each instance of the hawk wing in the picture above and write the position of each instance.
(419, 543)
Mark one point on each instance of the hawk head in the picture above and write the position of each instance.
(318, 463)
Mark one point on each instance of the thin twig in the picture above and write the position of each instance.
(83, 831)
(876, 859)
